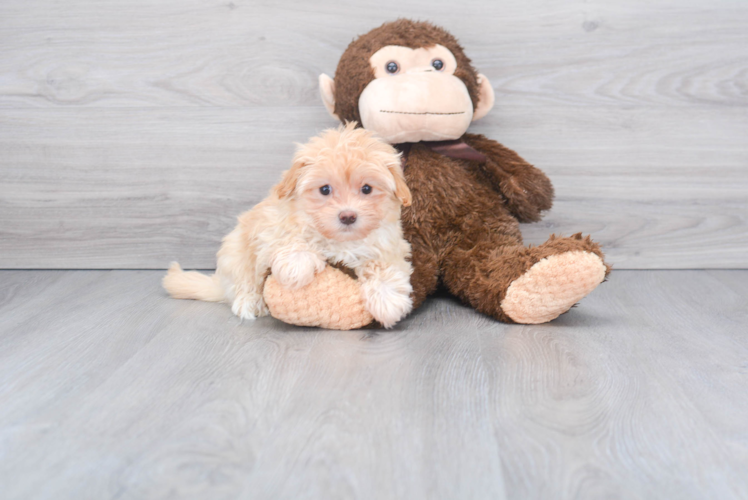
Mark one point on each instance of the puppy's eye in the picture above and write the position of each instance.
(392, 67)
(325, 190)
(366, 189)
(437, 64)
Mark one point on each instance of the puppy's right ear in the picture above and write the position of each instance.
(290, 179)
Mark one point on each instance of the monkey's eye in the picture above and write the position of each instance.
(325, 190)
(438, 64)
(366, 189)
(392, 67)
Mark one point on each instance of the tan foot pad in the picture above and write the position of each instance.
(333, 300)
(551, 286)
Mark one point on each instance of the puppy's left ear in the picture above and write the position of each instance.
(287, 185)
(401, 188)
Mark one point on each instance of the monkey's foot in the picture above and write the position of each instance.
(552, 286)
(333, 300)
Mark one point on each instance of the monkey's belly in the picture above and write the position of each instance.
(454, 204)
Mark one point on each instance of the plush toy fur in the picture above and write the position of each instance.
(463, 235)
(333, 300)
(354, 72)
(463, 223)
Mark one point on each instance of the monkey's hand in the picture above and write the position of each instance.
(526, 190)
(386, 291)
(332, 300)
(295, 268)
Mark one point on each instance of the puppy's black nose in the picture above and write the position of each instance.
(347, 218)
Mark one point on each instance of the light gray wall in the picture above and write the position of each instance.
(132, 132)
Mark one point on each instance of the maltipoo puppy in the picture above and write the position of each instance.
(338, 203)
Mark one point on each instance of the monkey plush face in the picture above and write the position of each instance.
(408, 82)
(415, 95)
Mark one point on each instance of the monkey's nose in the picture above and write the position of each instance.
(347, 217)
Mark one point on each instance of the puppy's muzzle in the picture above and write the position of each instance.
(347, 217)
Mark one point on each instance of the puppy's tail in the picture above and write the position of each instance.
(192, 285)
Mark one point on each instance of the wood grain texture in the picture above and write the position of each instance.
(132, 133)
(108, 389)
(225, 53)
(137, 188)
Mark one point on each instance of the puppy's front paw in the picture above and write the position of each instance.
(296, 269)
(386, 293)
(249, 306)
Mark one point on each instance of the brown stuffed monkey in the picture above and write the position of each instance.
(412, 83)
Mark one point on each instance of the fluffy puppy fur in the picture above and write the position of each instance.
(340, 203)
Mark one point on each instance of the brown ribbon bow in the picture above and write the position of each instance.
(453, 149)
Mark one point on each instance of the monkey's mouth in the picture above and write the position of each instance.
(417, 113)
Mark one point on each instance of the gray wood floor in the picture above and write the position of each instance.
(108, 389)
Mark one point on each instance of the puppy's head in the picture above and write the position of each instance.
(347, 181)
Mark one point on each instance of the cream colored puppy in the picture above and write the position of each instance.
(339, 203)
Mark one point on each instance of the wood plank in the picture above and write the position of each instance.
(138, 187)
(641, 125)
(108, 389)
(239, 53)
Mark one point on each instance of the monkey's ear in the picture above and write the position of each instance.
(485, 99)
(287, 185)
(401, 188)
(327, 91)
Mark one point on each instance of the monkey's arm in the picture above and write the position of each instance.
(526, 189)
